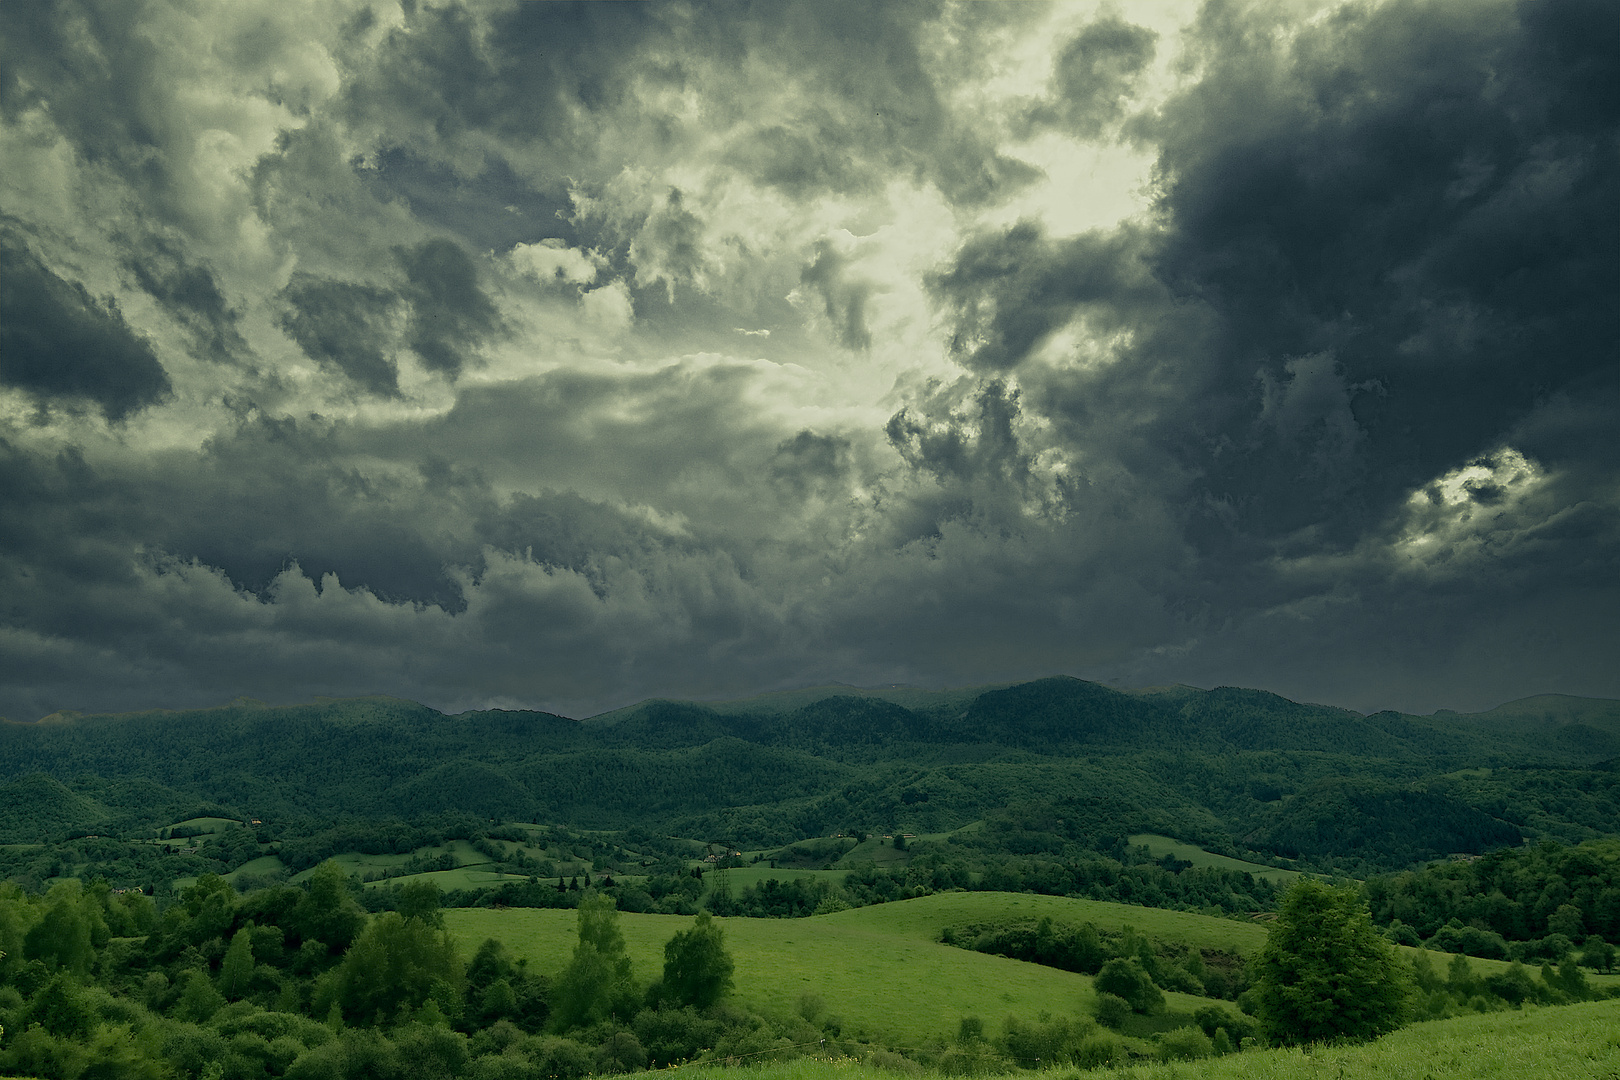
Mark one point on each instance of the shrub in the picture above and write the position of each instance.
(622, 1052)
(1098, 1049)
(1126, 979)
(1112, 1010)
(1185, 1044)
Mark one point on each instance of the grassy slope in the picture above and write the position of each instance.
(1577, 1042)
(880, 968)
(1164, 845)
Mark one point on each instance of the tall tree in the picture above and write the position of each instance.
(236, 970)
(1326, 973)
(697, 968)
(598, 982)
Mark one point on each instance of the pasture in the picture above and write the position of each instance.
(881, 970)
(1161, 846)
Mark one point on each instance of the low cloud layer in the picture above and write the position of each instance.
(560, 355)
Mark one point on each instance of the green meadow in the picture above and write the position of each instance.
(738, 878)
(881, 970)
(1161, 846)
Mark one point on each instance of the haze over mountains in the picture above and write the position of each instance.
(1234, 769)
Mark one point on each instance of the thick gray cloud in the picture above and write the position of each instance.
(61, 344)
(558, 355)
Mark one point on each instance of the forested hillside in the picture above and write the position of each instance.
(1237, 771)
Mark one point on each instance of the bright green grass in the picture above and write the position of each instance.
(1575, 1042)
(1161, 846)
(357, 864)
(264, 864)
(206, 824)
(740, 877)
(463, 877)
(879, 973)
(877, 851)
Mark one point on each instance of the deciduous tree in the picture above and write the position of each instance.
(1326, 973)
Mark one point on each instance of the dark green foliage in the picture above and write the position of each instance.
(1325, 972)
(1598, 954)
(61, 1009)
(327, 913)
(1049, 1042)
(236, 970)
(65, 936)
(598, 983)
(697, 968)
(780, 768)
(396, 964)
(1185, 1044)
(1112, 1010)
(1127, 980)
(1522, 897)
(1383, 822)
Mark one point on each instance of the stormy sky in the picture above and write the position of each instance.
(558, 356)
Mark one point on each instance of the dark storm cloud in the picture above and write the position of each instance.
(64, 346)
(344, 324)
(1333, 417)
(491, 211)
(1395, 226)
(189, 291)
(1008, 292)
(1420, 191)
(1094, 74)
(274, 531)
(449, 311)
(860, 102)
(1380, 255)
(811, 463)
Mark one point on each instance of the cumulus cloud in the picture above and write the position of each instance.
(565, 354)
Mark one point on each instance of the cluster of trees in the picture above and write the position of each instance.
(300, 982)
(1543, 902)
(1216, 973)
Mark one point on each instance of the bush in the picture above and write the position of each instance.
(622, 1052)
(1126, 979)
(1112, 1010)
(1098, 1049)
(1185, 1044)
(1470, 940)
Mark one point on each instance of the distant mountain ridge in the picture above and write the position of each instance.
(1222, 766)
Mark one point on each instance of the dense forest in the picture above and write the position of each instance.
(1241, 772)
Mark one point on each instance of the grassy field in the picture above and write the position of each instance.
(358, 865)
(206, 824)
(1161, 846)
(877, 851)
(264, 864)
(740, 877)
(881, 969)
(1575, 1042)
